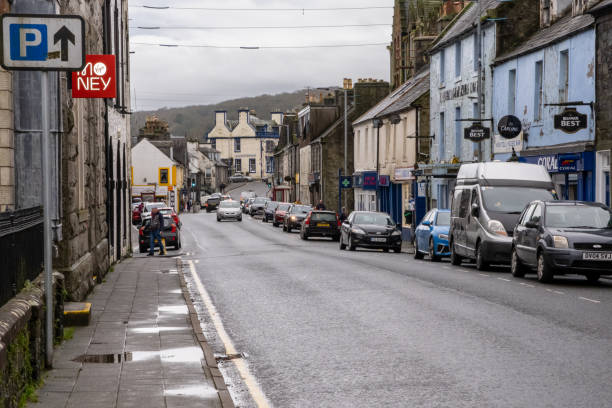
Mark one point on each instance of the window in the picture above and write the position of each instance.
(537, 97)
(464, 206)
(442, 67)
(537, 214)
(458, 129)
(526, 214)
(164, 176)
(441, 147)
(270, 146)
(511, 91)
(238, 165)
(269, 164)
(237, 144)
(458, 59)
(252, 166)
(475, 54)
(208, 172)
(213, 143)
(563, 76)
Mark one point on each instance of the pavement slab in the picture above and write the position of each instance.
(144, 347)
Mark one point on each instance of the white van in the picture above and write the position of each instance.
(487, 202)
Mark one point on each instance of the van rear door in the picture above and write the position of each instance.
(459, 212)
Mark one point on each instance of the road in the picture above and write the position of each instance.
(327, 328)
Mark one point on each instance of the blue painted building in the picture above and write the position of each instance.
(552, 71)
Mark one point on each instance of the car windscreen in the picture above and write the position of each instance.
(301, 209)
(443, 218)
(283, 207)
(229, 204)
(260, 200)
(372, 219)
(271, 205)
(325, 217)
(513, 200)
(577, 216)
(168, 221)
(151, 206)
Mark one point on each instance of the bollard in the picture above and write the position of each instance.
(164, 244)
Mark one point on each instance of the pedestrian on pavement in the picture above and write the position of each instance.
(189, 204)
(320, 206)
(157, 221)
(343, 215)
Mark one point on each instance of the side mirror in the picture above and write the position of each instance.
(475, 210)
(426, 222)
(532, 224)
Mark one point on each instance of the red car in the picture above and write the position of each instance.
(136, 217)
(279, 214)
(170, 211)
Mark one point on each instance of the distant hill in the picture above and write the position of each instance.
(196, 121)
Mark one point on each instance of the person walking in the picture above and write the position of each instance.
(157, 221)
(343, 215)
(320, 206)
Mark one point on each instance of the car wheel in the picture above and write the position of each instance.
(545, 273)
(288, 228)
(516, 267)
(454, 257)
(142, 249)
(417, 254)
(342, 245)
(218, 219)
(351, 246)
(432, 252)
(397, 250)
(593, 277)
(284, 227)
(275, 224)
(264, 219)
(303, 236)
(385, 249)
(481, 265)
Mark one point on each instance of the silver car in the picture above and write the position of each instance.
(229, 209)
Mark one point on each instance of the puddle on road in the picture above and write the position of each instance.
(175, 355)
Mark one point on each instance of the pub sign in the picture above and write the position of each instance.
(570, 121)
(476, 133)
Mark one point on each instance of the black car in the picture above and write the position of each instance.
(169, 232)
(370, 230)
(212, 202)
(295, 216)
(557, 237)
(269, 210)
(321, 224)
(257, 206)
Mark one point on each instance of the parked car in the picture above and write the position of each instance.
(136, 214)
(487, 202)
(170, 232)
(212, 202)
(295, 216)
(321, 224)
(369, 229)
(247, 204)
(257, 206)
(269, 209)
(431, 235)
(149, 206)
(239, 178)
(229, 209)
(171, 212)
(279, 214)
(557, 237)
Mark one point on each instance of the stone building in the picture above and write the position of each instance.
(154, 129)
(247, 144)
(603, 108)
(286, 163)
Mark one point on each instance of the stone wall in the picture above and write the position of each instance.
(604, 82)
(7, 146)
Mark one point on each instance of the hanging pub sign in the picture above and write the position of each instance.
(509, 127)
(476, 132)
(570, 120)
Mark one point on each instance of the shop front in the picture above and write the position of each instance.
(364, 186)
(572, 173)
(390, 198)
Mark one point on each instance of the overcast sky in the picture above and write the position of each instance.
(164, 76)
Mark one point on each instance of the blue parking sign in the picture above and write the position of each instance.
(28, 42)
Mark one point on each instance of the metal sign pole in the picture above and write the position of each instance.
(46, 171)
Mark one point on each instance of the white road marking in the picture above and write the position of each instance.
(254, 389)
(589, 300)
(504, 279)
(484, 274)
(445, 267)
(528, 285)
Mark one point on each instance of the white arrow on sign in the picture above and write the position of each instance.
(40, 42)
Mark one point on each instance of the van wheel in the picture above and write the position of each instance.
(545, 273)
(417, 253)
(481, 265)
(454, 258)
(432, 252)
(516, 267)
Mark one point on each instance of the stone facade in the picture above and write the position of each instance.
(7, 155)
(603, 77)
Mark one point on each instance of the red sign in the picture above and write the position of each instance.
(97, 79)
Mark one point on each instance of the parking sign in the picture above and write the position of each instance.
(42, 42)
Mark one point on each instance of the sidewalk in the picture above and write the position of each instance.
(139, 350)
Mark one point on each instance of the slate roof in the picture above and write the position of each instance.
(465, 21)
(563, 28)
(601, 6)
(376, 110)
(420, 86)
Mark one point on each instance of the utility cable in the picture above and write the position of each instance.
(257, 27)
(302, 9)
(259, 47)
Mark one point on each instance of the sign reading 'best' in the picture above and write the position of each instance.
(97, 79)
(570, 120)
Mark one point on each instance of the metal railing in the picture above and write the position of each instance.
(21, 250)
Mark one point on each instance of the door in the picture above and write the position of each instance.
(472, 228)
(532, 235)
(345, 228)
(422, 232)
(519, 235)
(460, 211)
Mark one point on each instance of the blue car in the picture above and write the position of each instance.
(431, 236)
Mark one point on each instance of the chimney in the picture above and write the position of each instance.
(220, 117)
(243, 116)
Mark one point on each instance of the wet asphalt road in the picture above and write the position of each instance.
(329, 328)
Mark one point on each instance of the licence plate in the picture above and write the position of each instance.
(379, 239)
(597, 256)
(322, 224)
